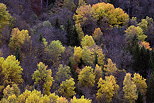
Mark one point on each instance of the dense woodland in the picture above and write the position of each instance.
(76, 51)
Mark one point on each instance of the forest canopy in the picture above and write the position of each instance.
(76, 51)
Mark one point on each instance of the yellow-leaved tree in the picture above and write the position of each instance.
(43, 78)
(107, 89)
(18, 38)
(130, 89)
(87, 41)
(10, 70)
(66, 88)
(110, 67)
(140, 83)
(5, 16)
(86, 77)
(80, 100)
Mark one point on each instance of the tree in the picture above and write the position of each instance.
(107, 12)
(79, 31)
(133, 31)
(143, 25)
(22, 97)
(64, 72)
(43, 78)
(69, 4)
(77, 54)
(110, 68)
(54, 51)
(140, 83)
(86, 77)
(62, 100)
(11, 70)
(98, 72)
(81, 3)
(99, 55)
(114, 16)
(97, 34)
(83, 13)
(5, 17)
(11, 90)
(107, 89)
(130, 89)
(34, 97)
(80, 100)
(66, 88)
(53, 97)
(146, 45)
(88, 56)
(87, 41)
(18, 38)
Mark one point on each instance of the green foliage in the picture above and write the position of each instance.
(110, 68)
(130, 89)
(133, 31)
(99, 55)
(5, 17)
(66, 88)
(80, 100)
(46, 24)
(79, 31)
(87, 41)
(64, 72)
(88, 56)
(11, 71)
(107, 89)
(54, 50)
(143, 25)
(69, 4)
(43, 78)
(81, 3)
(53, 97)
(86, 77)
(77, 54)
(18, 38)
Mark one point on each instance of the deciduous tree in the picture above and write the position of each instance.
(107, 89)
(86, 77)
(110, 68)
(43, 78)
(130, 89)
(5, 16)
(66, 88)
